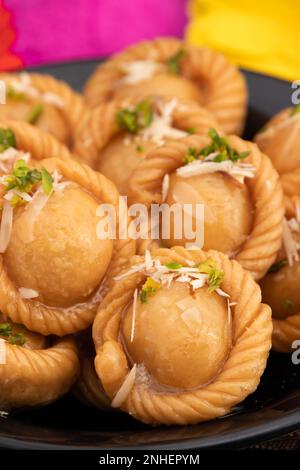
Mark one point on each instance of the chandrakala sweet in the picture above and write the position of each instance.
(237, 186)
(168, 66)
(45, 102)
(181, 337)
(120, 134)
(34, 370)
(280, 287)
(53, 264)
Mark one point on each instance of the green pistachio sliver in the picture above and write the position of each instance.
(35, 113)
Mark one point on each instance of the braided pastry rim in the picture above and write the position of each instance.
(74, 110)
(96, 132)
(56, 367)
(34, 315)
(224, 79)
(243, 368)
(260, 249)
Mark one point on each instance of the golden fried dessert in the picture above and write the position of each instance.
(53, 261)
(34, 370)
(172, 68)
(41, 100)
(181, 337)
(280, 140)
(280, 287)
(234, 182)
(120, 134)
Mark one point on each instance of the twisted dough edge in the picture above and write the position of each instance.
(101, 126)
(252, 329)
(226, 97)
(37, 377)
(34, 315)
(74, 111)
(260, 249)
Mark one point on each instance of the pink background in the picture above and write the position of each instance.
(59, 30)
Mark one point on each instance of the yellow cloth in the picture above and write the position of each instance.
(259, 35)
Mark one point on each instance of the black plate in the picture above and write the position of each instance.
(274, 409)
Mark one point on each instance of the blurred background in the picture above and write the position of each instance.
(259, 35)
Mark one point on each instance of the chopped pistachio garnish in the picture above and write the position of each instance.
(35, 113)
(13, 338)
(140, 148)
(5, 329)
(17, 339)
(13, 94)
(219, 146)
(173, 265)
(7, 139)
(215, 275)
(295, 110)
(174, 62)
(133, 120)
(289, 305)
(277, 266)
(47, 181)
(191, 130)
(190, 156)
(24, 178)
(149, 288)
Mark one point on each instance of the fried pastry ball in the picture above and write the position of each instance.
(228, 211)
(169, 342)
(121, 156)
(58, 252)
(165, 84)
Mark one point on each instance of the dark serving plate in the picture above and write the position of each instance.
(273, 410)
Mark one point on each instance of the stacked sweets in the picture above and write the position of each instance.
(155, 326)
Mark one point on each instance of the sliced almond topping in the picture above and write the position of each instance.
(139, 70)
(6, 226)
(125, 389)
(28, 293)
(199, 167)
(165, 187)
(135, 294)
(289, 244)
